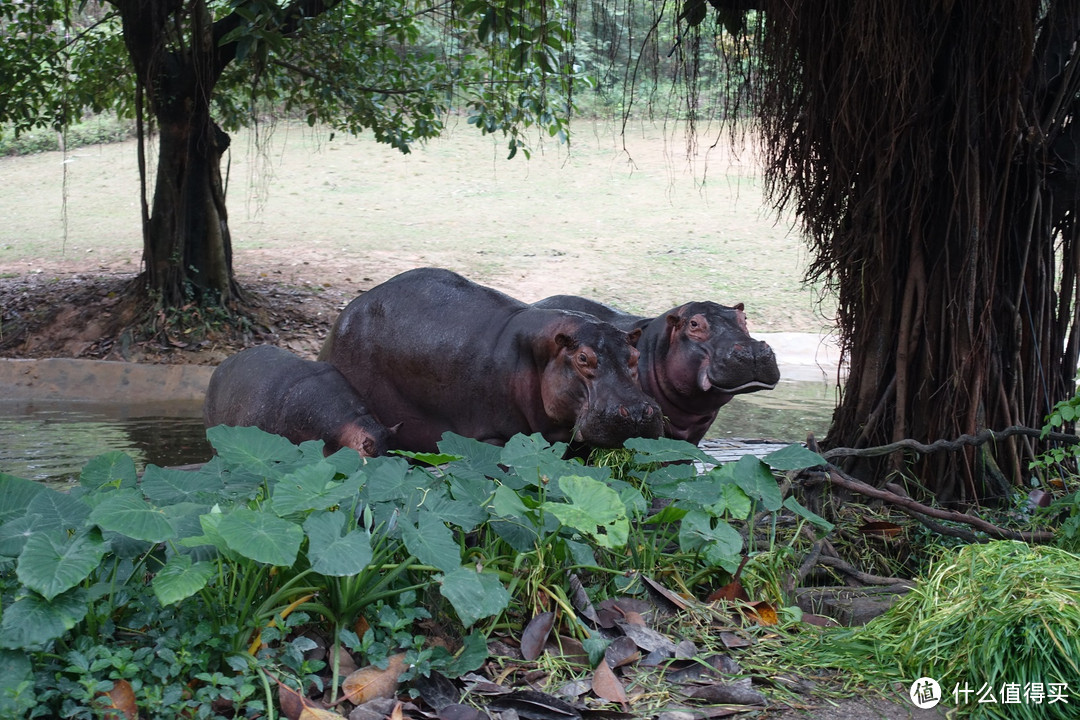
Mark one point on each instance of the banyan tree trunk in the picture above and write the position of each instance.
(931, 152)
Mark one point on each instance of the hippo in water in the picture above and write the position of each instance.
(436, 352)
(694, 358)
(276, 391)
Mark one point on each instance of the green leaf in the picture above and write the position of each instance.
(166, 486)
(180, 578)
(115, 469)
(127, 513)
(53, 562)
(311, 487)
(387, 479)
(254, 450)
(666, 450)
(58, 510)
(260, 536)
(431, 542)
(428, 458)
(507, 503)
(593, 509)
(793, 457)
(15, 496)
(333, 553)
(474, 595)
(733, 501)
(32, 621)
(757, 481)
(794, 506)
(474, 652)
(719, 543)
(15, 533)
(17, 684)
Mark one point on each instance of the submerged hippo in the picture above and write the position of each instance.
(276, 391)
(694, 359)
(435, 352)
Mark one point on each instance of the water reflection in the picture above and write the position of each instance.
(51, 442)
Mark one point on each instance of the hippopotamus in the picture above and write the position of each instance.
(274, 390)
(436, 352)
(694, 358)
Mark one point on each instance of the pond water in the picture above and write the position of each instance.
(51, 441)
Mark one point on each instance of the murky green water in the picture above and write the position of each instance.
(51, 442)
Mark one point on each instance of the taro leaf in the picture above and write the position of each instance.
(112, 468)
(15, 496)
(387, 479)
(478, 459)
(15, 670)
(595, 646)
(309, 487)
(180, 578)
(607, 686)
(534, 705)
(718, 542)
(667, 481)
(648, 639)
(31, 621)
(58, 510)
(733, 501)
(794, 506)
(464, 515)
(622, 651)
(739, 692)
(507, 503)
(474, 595)
(757, 481)
(535, 635)
(254, 450)
(431, 541)
(126, 512)
(260, 536)
(666, 450)
(473, 653)
(333, 553)
(793, 457)
(432, 459)
(14, 533)
(594, 509)
(167, 486)
(461, 712)
(436, 690)
(54, 562)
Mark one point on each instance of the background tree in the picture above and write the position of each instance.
(200, 67)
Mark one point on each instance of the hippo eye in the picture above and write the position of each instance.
(583, 358)
(694, 324)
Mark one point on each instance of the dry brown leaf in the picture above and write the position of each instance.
(361, 626)
(882, 529)
(676, 600)
(396, 713)
(121, 702)
(292, 703)
(373, 682)
(621, 651)
(760, 612)
(734, 590)
(607, 686)
(314, 713)
(633, 617)
(535, 635)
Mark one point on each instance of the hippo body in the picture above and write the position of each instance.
(436, 352)
(694, 359)
(274, 390)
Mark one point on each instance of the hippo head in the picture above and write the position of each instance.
(590, 382)
(710, 352)
(364, 434)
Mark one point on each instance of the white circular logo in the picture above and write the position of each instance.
(925, 693)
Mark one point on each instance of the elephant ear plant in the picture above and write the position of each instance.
(194, 590)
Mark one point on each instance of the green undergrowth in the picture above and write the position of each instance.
(200, 590)
(997, 625)
(91, 131)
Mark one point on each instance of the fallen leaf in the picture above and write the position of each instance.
(580, 599)
(436, 690)
(621, 651)
(761, 613)
(571, 650)
(658, 589)
(732, 640)
(534, 705)
(819, 620)
(882, 529)
(313, 713)
(462, 712)
(648, 639)
(607, 686)
(734, 590)
(535, 635)
(739, 692)
(372, 682)
(121, 702)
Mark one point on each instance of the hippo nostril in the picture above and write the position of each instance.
(623, 411)
(647, 413)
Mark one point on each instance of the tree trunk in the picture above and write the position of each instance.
(929, 150)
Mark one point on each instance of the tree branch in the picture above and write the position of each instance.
(962, 441)
(363, 88)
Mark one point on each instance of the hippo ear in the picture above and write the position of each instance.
(394, 428)
(633, 336)
(564, 341)
(740, 307)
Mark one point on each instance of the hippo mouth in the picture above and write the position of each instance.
(706, 384)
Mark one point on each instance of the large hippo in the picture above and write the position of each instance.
(434, 352)
(276, 391)
(694, 358)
